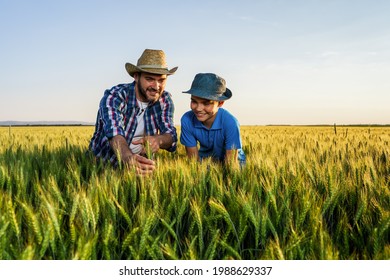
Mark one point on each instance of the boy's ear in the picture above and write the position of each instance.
(220, 103)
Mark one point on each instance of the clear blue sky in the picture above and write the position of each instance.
(286, 61)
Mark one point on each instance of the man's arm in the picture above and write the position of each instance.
(156, 142)
(162, 141)
(167, 139)
(121, 149)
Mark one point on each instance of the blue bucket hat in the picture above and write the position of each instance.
(209, 86)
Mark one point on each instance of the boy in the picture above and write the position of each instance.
(216, 130)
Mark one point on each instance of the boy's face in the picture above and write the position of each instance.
(205, 110)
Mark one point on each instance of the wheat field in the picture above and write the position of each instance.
(306, 193)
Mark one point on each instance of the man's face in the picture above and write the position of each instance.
(149, 86)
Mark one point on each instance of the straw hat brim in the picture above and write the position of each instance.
(131, 69)
(225, 96)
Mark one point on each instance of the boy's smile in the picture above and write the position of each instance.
(205, 110)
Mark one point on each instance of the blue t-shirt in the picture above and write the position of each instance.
(223, 135)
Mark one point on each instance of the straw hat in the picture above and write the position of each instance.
(151, 61)
(209, 86)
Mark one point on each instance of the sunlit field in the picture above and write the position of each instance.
(307, 193)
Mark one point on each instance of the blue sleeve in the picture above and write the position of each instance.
(232, 133)
(187, 138)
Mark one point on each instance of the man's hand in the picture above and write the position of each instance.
(142, 165)
(151, 144)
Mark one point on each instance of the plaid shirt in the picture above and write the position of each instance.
(117, 115)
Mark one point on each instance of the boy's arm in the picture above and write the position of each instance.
(192, 152)
(231, 156)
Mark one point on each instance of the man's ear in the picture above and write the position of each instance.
(220, 103)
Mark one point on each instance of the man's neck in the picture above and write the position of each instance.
(139, 96)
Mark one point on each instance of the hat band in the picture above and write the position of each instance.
(152, 67)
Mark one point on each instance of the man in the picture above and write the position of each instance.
(138, 117)
(214, 128)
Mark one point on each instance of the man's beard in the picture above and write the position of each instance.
(143, 94)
